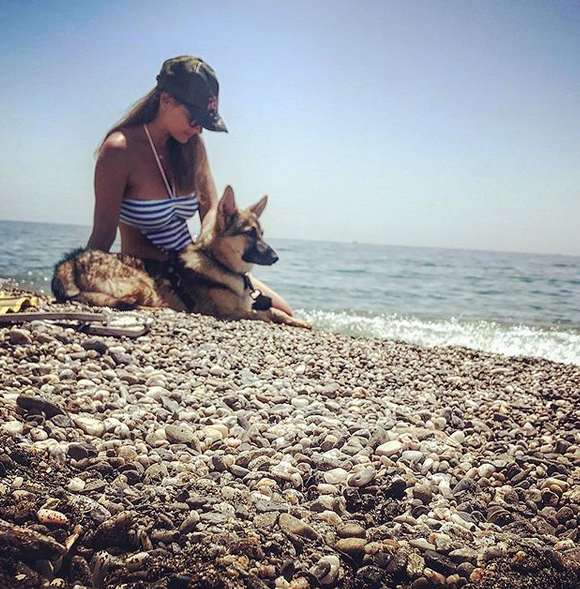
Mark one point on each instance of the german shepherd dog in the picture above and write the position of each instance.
(208, 277)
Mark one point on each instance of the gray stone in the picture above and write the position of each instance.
(20, 337)
(362, 478)
(178, 434)
(291, 524)
(95, 343)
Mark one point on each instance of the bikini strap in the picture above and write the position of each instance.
(170, 189)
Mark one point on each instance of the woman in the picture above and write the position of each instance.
(152, 172)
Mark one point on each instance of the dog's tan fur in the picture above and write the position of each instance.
(211, 271)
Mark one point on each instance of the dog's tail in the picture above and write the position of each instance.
(63, 283)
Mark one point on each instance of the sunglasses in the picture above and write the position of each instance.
(193, 122)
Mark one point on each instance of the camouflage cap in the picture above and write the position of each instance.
(193, 82)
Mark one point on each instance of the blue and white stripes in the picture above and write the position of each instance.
(162, 221)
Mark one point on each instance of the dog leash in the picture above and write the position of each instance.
(261, 301)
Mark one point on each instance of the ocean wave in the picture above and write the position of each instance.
(555, 344)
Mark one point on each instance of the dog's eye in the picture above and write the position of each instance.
(251, 232)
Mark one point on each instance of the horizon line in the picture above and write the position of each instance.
(349, 242)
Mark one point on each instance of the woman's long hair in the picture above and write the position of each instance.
(183, 157)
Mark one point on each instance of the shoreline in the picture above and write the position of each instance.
(211, 454)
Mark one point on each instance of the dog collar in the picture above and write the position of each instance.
(261, 301)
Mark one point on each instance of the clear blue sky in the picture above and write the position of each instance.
(432, 123)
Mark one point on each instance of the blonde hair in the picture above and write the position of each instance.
(185, 158)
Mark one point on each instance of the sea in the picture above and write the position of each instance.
(515, 304)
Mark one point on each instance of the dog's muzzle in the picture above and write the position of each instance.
(260, 254)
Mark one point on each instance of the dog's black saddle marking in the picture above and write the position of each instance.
(171, 269)
(261, 301)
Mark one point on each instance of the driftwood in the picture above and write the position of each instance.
(84, 318)
(51, 316)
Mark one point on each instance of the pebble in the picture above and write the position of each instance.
(352, 546)
(90, 425)
(421, 544)
(391, 448)
(20, 337)
(351, 530)
(190, 522)
(14, 427)
(412, 456)
(52, 518)
(137, 561)
(76, 484)
(552, 482)
(178, 434)
(291, 524)
(362, 478)
(423, 493)
(336, 476)
(332, 576)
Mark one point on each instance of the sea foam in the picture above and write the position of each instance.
(558, 345)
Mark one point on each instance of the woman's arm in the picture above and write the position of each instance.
(111, 175)
(204, 182)
(277, 301)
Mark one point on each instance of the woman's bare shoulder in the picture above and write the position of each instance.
(115, 149)
(116, 142)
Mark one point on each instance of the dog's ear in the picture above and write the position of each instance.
(227, 206)
(259, 207)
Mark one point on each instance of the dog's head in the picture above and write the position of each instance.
(238, 234)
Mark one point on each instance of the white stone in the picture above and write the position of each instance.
(332, 574)
(111, 423)
(136, 561)
(284, 470)
(85, 383)
(389, 448)
(90, 425)
(458, 436)
(412, 455)
(156, 392)
(76, 484)
(37, 434)
(13, 427)
(213, 433)
(300, 402)
(336, 476)
(445, 489)
(330, 517)
(486, 470)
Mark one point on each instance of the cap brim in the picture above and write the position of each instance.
(208, 119)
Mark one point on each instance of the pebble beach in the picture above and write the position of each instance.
(207, 454)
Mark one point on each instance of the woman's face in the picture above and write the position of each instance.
(177, 119)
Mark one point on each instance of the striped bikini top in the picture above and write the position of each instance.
(162, 221)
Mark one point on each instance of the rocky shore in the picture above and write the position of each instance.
(246, 455)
